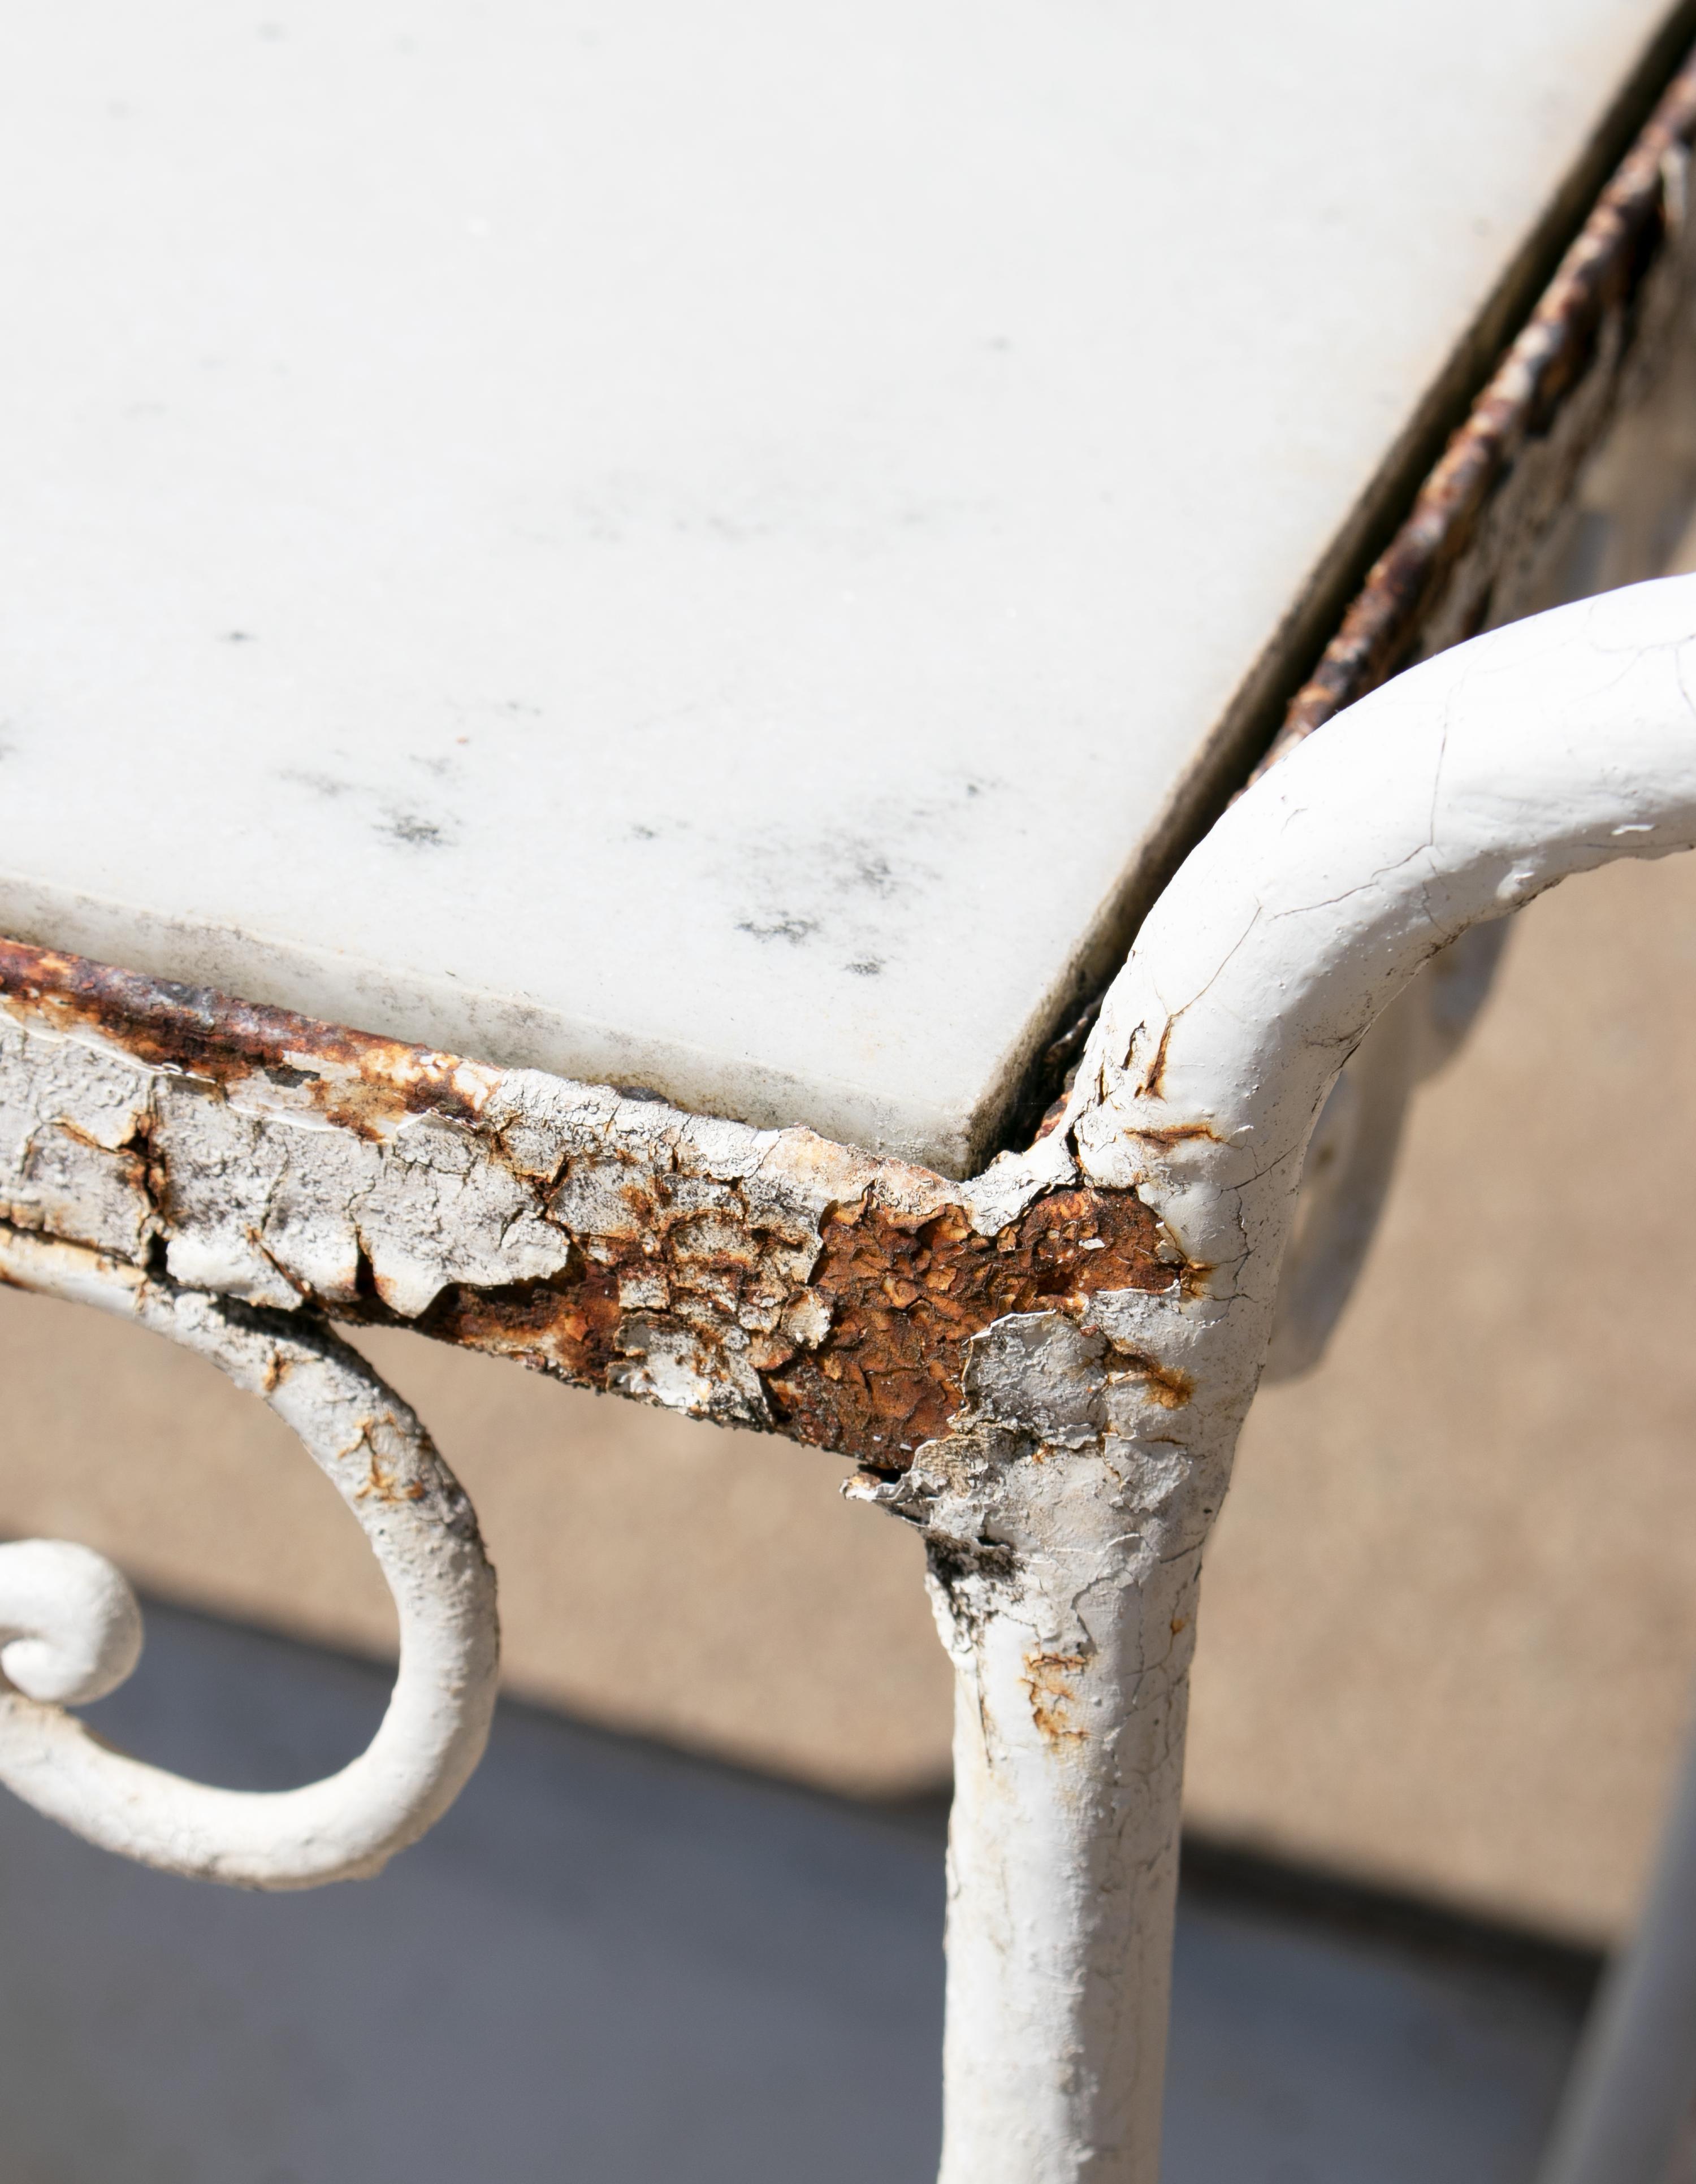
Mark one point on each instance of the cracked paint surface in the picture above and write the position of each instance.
(762, 1278)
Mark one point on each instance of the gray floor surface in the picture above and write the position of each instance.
(611, 1965)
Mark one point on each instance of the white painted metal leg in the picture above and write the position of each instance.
(1070, 1695)
(1065, 1511)
(1627, 2106)
(1064, 1522)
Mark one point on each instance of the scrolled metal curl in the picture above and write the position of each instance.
(71, 1630)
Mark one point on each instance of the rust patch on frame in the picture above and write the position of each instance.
(906, 1298)
(353, 1078)
(1047, 1679)
(851, 1333)
(899, 1295)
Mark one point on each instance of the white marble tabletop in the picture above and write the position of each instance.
(697, 546)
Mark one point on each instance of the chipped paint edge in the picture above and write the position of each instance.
(764, 1278)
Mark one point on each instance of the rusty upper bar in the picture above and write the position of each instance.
(764, 1278)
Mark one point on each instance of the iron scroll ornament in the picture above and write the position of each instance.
(70, 1629)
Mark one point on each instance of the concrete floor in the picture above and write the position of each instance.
(618, 1965)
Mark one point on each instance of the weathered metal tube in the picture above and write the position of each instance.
(1066, 1508)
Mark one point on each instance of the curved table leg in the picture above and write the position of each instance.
(1065, 1510)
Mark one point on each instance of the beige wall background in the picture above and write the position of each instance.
(1448, 1632)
